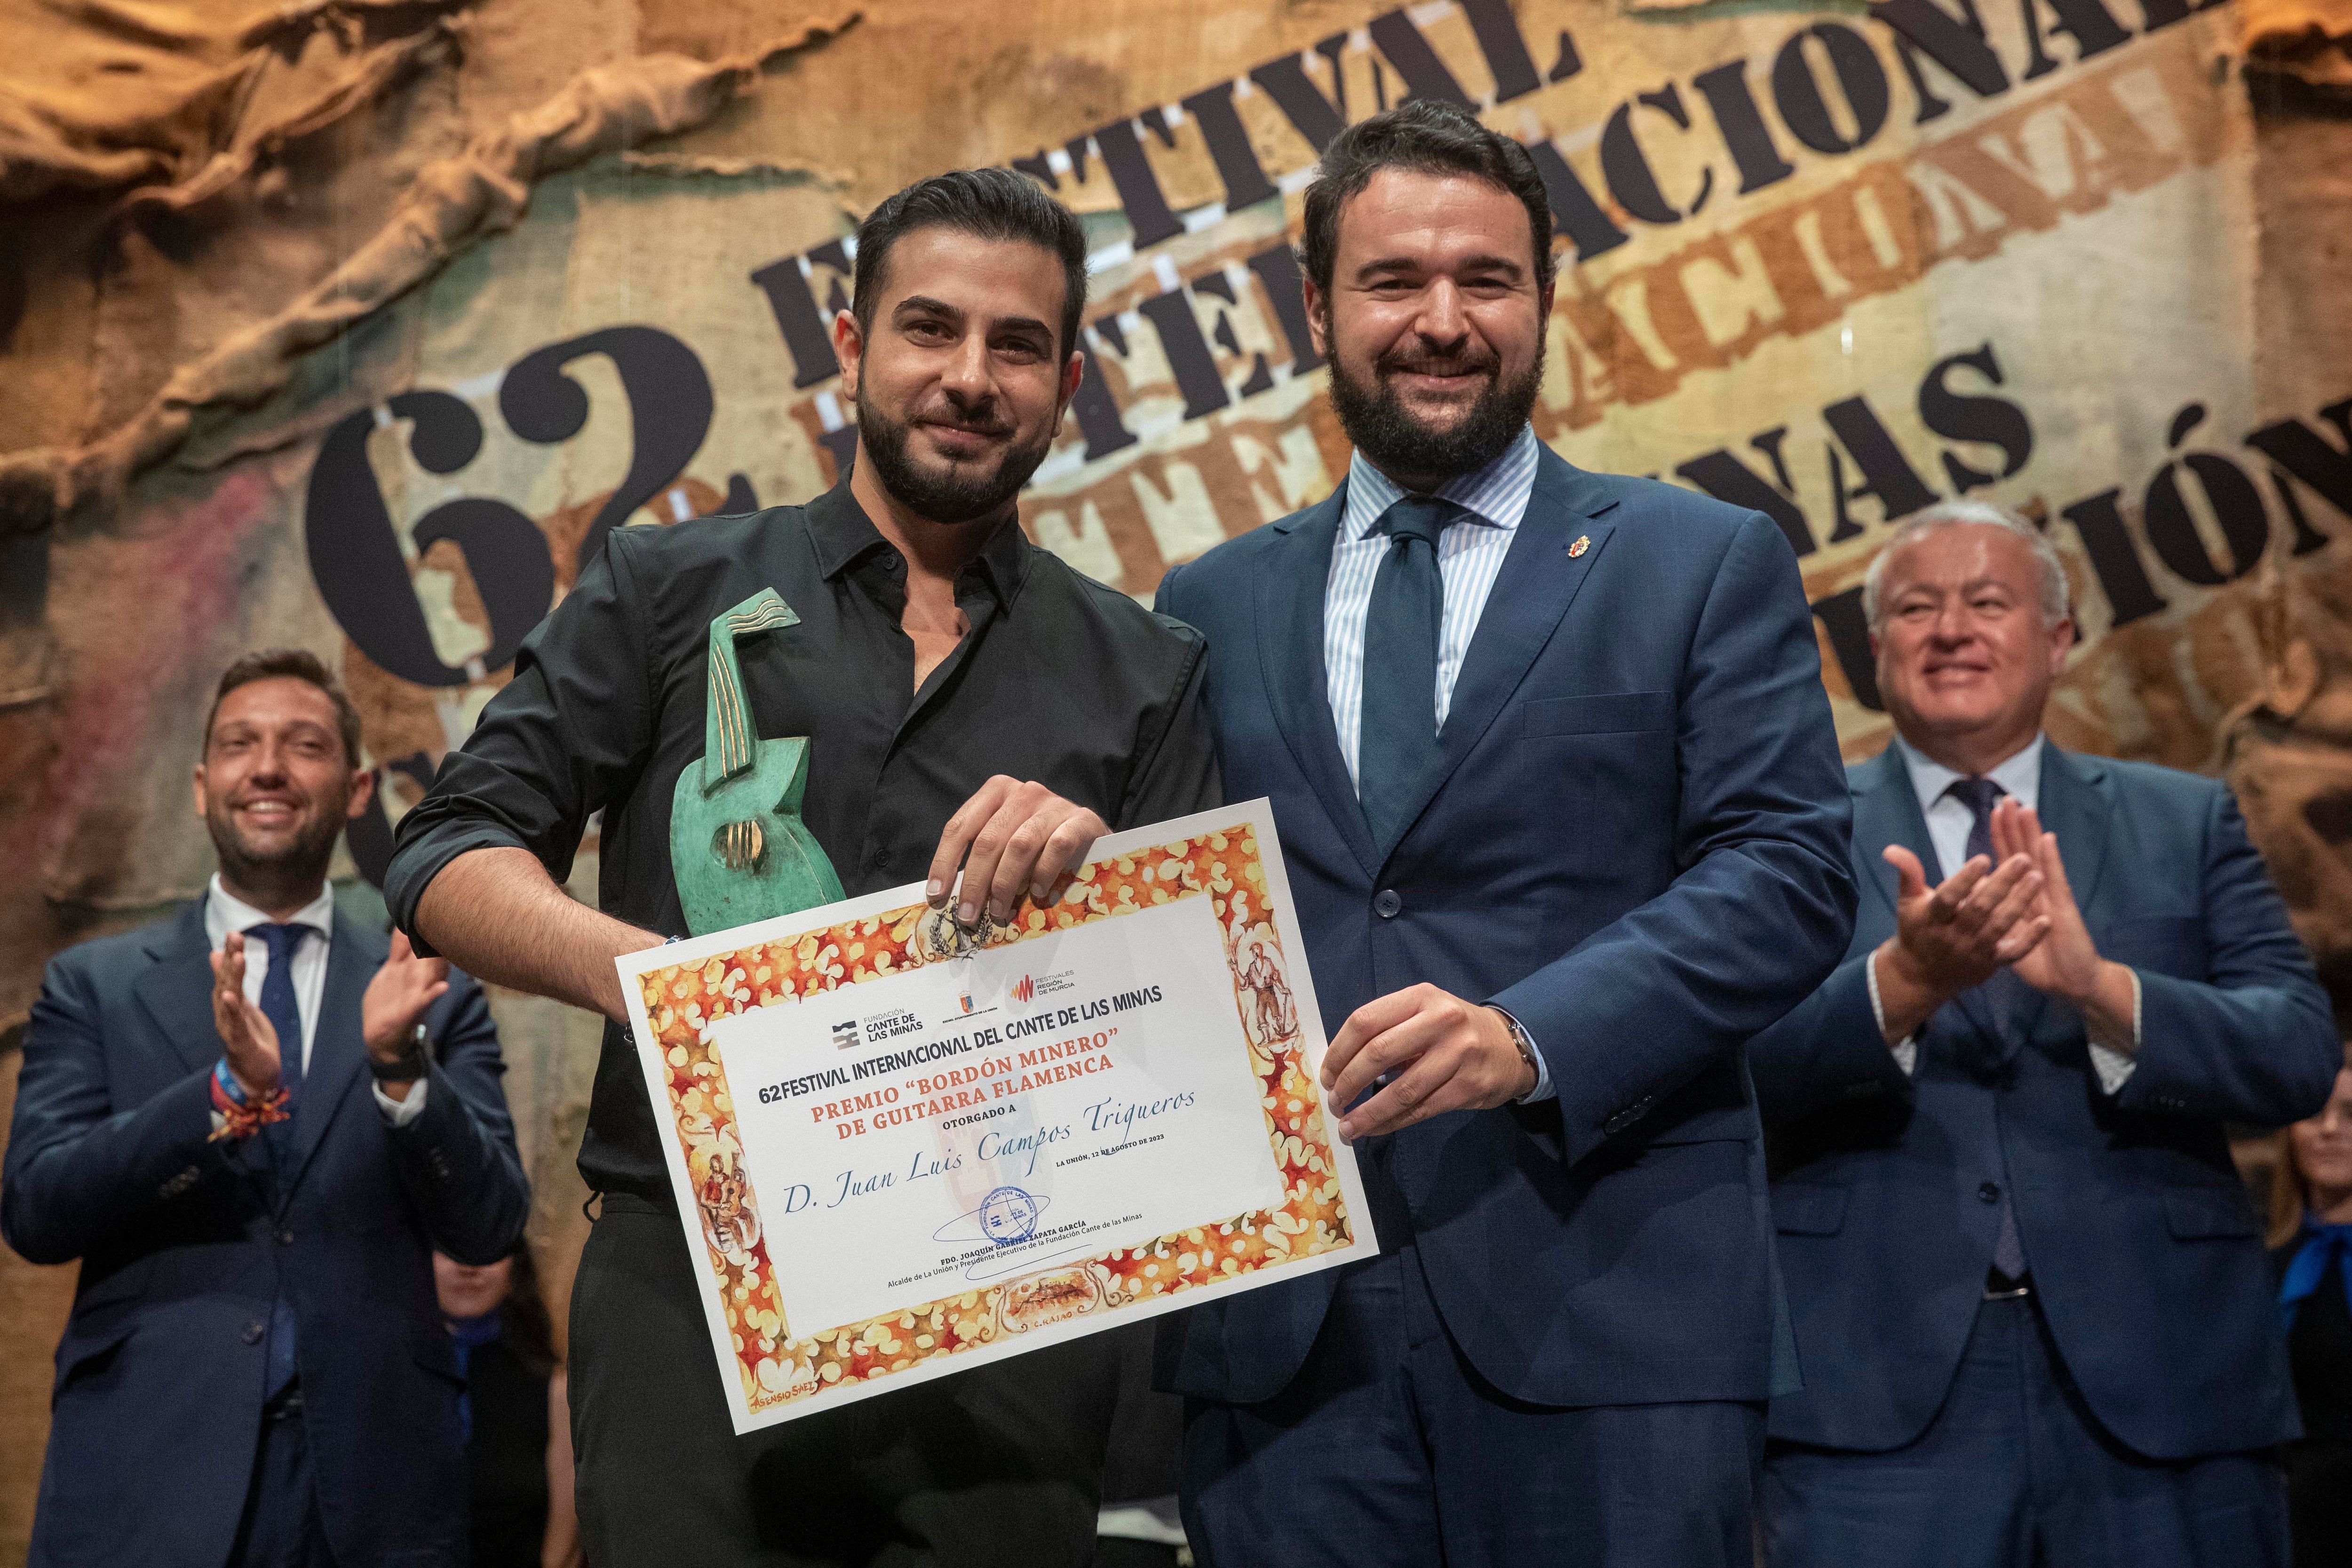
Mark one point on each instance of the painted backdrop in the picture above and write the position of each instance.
(362, 324)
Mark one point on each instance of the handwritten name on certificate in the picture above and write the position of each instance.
(903, 1149)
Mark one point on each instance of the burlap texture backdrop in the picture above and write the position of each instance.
(358, 323)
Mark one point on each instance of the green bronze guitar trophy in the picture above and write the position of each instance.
(738, 847)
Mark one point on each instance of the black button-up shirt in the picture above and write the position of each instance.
(1060, 680)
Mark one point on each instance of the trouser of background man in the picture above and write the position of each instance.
(2015, 1470)
(280, 1527)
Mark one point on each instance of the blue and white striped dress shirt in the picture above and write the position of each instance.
(1469, 558)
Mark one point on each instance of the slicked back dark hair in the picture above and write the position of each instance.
(1425, 136)
(291, 663)
(992, 204)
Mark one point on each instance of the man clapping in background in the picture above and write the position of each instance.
(255, 1371)
(2029, 1299)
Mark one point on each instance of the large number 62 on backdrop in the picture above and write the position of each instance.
(354, 547)
(355, 556)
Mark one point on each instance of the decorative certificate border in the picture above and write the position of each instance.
(684, 999)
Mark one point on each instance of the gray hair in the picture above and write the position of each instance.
(1951, 514)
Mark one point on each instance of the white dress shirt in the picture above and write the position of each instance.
(1470, 551)
(1948, 824)
(225, 912)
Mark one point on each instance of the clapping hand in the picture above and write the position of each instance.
(1954, 935)
(1957, 933)
(403, 988)
(247, 1038)
(2066, 963)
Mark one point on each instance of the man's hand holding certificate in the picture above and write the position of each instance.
(907, 1145)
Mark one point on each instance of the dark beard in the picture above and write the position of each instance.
(1396, 442)
(949, 497)
(299, 868)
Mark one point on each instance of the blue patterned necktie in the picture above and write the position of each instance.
(1396, 747)
(2003, 995)
(1979, 795)
(278, 1005)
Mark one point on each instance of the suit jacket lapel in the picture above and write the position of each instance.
(336, 1048)
(1538, 581)
(1290, 658)
(1888, 813)
(2077, 800)
(177, 991)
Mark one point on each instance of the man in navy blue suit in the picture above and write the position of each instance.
(2031, 1301)
(1558, 794)
(252, 1123)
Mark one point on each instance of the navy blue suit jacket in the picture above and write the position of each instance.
(185, 1245)
(2142, 1245)
(1637, 844)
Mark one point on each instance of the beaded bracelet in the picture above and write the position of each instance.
(243, 1115)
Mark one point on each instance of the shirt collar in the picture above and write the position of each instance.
(225, 912)
(843, 532)
(1004, 560)
(1495, 496)
(844, 535)
(2018, 774)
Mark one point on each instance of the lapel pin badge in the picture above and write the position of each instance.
(1584, 542)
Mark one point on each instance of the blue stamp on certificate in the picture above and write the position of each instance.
(1008, 1214)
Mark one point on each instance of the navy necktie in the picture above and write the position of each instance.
(1396, 747)
(278, 1003)
(1979, 795)
(285, 1015)
(2003, 996)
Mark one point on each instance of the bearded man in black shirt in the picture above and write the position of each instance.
(969, 699)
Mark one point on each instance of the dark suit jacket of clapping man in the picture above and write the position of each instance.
(2030, 1295)
(255, 1371)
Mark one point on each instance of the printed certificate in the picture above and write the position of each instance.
(901, 1150)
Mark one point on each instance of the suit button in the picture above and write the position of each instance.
(284, 1238)
(250, 1333)
(1387, 904)
(1989, 1193)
